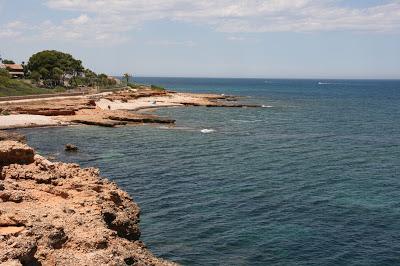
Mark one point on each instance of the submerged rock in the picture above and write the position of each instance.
(55, 213)
(71, 148)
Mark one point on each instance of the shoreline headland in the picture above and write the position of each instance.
(54, 213)
(124, 107)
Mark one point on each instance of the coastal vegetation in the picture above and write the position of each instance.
(51, 71)
(6, 61)
(52, 68)
(127, 77)
(15, 87)
(156, 87)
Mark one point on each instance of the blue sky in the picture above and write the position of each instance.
(204, 38)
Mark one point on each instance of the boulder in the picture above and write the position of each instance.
(71, 148)
(12, 152)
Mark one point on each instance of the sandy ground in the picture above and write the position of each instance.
(20, 121)
(148, 102)
(151, 102)
(56, 98)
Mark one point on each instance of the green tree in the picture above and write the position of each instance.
(35, 76)
(58, 76)
(43, 72)
(6, 61)
(127, 76)
(55, 66)
(4, 73)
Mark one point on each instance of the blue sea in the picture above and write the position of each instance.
(312, 179)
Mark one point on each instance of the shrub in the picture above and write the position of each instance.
(134, 86)
(35, 76)
(159, 88)
(4, 73)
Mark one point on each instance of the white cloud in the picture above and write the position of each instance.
(247, 15)
(172, 43)
(111, 20)
(13, 29)
(236, 38)
(82, 19)
(16, 25)
(8, 33)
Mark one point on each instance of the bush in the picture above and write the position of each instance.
(35, 76)
(4, 73)
(134, 86)
(13, 87)
(59, 89)
(159, 88)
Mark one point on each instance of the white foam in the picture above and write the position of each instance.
(206, 131)
(266, 106)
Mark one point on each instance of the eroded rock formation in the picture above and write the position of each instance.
(6, 135)
(61, 214)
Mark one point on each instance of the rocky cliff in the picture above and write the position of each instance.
(61, 214)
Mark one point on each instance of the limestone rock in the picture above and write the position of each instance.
(55, 213)
(15, 152)
(71, 148)
(6, 135)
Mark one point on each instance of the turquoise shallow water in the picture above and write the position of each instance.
(312, 180)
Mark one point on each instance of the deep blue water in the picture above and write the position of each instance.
(312, 180)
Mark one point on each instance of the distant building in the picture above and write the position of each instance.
(15, 70)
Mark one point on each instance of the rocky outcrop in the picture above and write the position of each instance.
(48, 112)
(107, 118)
(106, 109)
(15, 152)
(137, 118)
(96, 121)
(6, 135)
(133, 94)
(61, 214)
(71, 148)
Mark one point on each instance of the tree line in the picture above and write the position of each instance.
(52, 68)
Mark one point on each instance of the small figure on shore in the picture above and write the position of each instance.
(109, 107)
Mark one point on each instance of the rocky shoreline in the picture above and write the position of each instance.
(124, 107)
(53, 213)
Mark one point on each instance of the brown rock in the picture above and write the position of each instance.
(67, 215)
(71, 148)
(15, 152)
(6, 135)
(97, 122)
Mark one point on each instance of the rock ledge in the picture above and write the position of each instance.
(61, 214)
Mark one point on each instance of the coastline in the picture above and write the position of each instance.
(124, 107)
(53, 213)
(58, 213)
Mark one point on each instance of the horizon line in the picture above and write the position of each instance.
(274, 78)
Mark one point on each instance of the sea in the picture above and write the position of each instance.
(312, 178)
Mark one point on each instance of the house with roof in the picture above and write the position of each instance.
(15, 70)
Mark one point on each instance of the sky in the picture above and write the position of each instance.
(211, 38)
